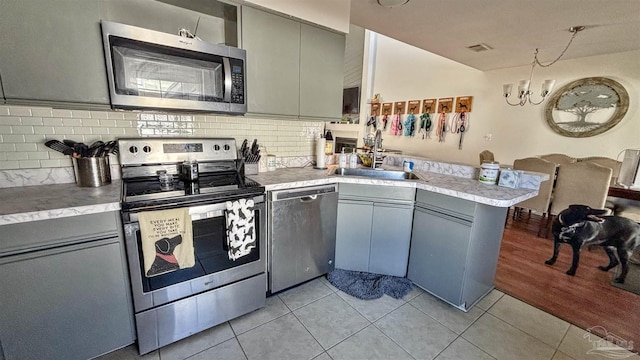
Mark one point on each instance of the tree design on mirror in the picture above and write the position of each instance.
(587, 107)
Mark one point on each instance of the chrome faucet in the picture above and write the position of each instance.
(377, 144)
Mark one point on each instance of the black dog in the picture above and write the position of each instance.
(613, 232)
(165, 261)
(580, 225)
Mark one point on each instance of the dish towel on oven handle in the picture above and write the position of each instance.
(241, 230)
(167, 241)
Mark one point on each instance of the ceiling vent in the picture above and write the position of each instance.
(479, 47)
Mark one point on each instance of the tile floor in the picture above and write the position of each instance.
(317, 321)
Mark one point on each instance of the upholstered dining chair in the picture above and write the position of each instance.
(613, 164)
(583, 183)
(486, 156)
(559, 159)
(539, 203)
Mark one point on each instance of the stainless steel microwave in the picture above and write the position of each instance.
(154, 70)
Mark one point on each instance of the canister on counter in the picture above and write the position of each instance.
(489, 173)
(271, 162)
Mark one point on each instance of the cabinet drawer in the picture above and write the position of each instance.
(42, 234)
(445, 203)
(373, 192)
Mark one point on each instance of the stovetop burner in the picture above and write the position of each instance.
(146, 161)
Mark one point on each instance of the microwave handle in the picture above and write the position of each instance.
(227, 79)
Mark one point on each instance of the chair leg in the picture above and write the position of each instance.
(549, 224)
(542, 223)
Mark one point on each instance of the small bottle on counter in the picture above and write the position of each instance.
(343, 159)
(353, 160)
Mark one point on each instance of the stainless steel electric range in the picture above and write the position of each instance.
(202, 175)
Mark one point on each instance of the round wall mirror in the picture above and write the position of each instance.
(587, 107)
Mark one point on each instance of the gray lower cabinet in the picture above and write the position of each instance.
(64, 298)
(374, 228)
(454, 247)
(293, 69)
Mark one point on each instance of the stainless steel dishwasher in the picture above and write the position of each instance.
(302, 234)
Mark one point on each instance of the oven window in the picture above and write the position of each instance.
(210, 244)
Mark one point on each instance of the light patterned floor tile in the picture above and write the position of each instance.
(541, 325)
(417, 333)
(273, 309)
(455, 319)
(373, 309)
(304, 294)
(581, 344)
(196, 343)
(129, 353)
(228, 350)
(369, 343)
(503, 341)
(461, 349)
(330, 320)
(282, 338)
(559, 355)
(491, 298)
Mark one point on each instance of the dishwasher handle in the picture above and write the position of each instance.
(309, 198)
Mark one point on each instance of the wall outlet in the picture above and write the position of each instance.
(488, 136)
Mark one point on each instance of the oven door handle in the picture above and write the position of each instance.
(207, 211)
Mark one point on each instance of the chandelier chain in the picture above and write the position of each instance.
(535, 56)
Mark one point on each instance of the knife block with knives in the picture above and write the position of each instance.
(251, 156)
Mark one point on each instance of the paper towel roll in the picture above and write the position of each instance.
(320, 144)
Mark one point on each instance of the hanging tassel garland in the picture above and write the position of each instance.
(396, 125)
(384, 121)
(410, 125)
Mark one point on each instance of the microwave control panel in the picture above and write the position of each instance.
(237, 81)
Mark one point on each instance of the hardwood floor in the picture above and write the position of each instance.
(586, 300)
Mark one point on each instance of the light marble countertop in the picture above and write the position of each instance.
(30, 203)
(464, 188)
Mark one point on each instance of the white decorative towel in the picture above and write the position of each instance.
(241, 230)
(167, 241)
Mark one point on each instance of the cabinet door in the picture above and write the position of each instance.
(390, 239)
(66, 303)
(321, 72)
(439, 247)
(353, 235)
(155, 15)
(273, 62)
(52, 51)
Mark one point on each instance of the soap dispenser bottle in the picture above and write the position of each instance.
(353, 160)
(343, 159)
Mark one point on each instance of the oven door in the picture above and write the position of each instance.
(212, 269)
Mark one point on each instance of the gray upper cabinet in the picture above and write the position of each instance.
(321, 72)
(52, 51)
(273, 66)
(293, 69)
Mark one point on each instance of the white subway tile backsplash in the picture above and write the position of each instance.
(19, 111)
(29, 164)
(90, 122)
(63, 113)
(27, 147)
(25, 135)
(22, 130)
(44, 112)
(31, 121)
(71, 122)
(10, 120)
(80, 114)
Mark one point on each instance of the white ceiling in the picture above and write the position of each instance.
(513, 28)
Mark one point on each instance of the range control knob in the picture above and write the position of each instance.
(146, 149)
(216, 147)
(226, 147)
(133, 149)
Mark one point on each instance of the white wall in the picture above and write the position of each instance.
(403, 72)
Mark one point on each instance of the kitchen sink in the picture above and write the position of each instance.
(377, 173)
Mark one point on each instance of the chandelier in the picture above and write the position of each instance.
(524, 90)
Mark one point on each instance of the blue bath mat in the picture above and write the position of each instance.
(368, 286)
